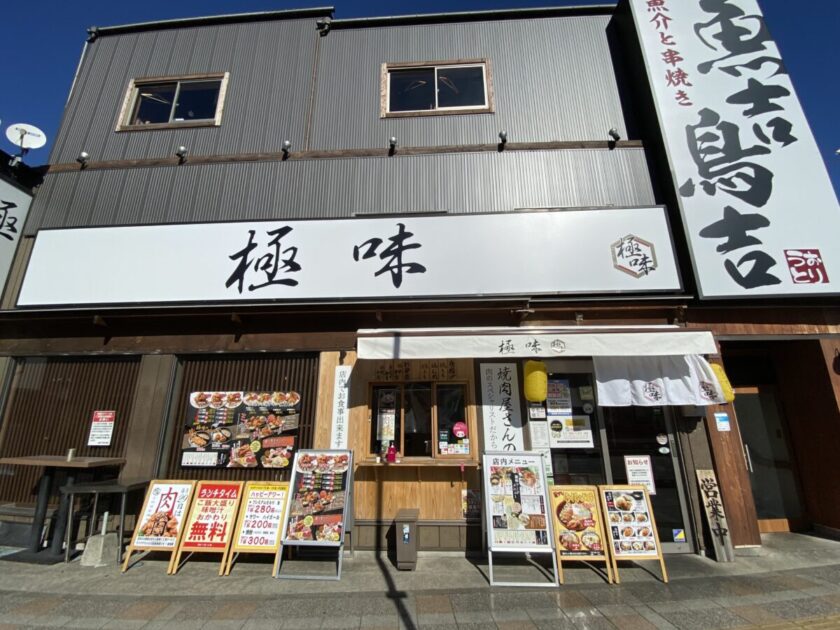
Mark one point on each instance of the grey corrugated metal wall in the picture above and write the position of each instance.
(458, 183)
(270, 65)
(553, 80)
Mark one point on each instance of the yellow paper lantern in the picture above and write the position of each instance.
(723, 379)
(536, 381)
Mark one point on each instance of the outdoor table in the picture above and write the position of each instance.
(50, 464)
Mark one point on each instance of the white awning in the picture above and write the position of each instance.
(656, 381)
(532, 342)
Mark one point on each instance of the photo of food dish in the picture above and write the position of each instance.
(570, 541)
(200, 400)
(624, 502)
(276, 458)
(330, 532)
(528, 478)
(307, 462)
(638, 546)
(641, 517)
(300, 529)
(278, 398)
(221, 435)
(341, 463)
(644, 532)
(233, 400)
(591, 541)
(650, 545)
(160, 524)
(575, 516)
(198, 439)
(217, 400)
(292, 398)
(615, 518)
(324, 463)
(627, 532)
(243, 457)
(627, 518)
(625, 546)
(251, 398)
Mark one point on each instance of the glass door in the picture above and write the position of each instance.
(772, 469)
(646, 434)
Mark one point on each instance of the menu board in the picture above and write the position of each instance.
(320, 494)
(516, 502)
(241, 429)
(161, 520)
(631, 528)
(578, 525)
(261, 517)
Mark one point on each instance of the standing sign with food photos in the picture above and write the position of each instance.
(517, 507)
(251, 429)
(319, 502)
(631, 526)
(209, 526)
(162, 517)
(578, 525)
(260, 519)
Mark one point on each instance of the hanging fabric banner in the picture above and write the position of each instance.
(656, 381)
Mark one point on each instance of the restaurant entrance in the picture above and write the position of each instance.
(639, 434)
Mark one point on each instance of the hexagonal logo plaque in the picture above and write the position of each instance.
(634, 256)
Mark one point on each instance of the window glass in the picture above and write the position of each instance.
(418, 420)
(197, 101)
(412, 89)
(451, 411)
(385, 418)
(460, 87)
(154, 103)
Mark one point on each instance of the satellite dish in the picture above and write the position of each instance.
(26, 136)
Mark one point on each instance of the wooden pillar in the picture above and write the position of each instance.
(733, 476)
(147, 420)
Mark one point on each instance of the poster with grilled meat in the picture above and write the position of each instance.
(578, 526)
(516, 502)
(249, 429)
(163, 514)
(320, 490)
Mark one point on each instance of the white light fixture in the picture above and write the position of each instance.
(83, 158)
(287, 146)
(503, 137)
(181, 152)
(614, 134)
(392, 142)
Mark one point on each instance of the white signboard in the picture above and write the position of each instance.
(559, 397)
(570, 431)
(500, 411)
(341, 412)
(760, 213)
(261, 517)
(516, 502)
(14, 206)
(640, 472)
(101, 428)
(583, 252)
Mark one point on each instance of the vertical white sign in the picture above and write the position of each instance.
(101, 428)
(500, 409)
(640, 472)
(341, 411)
(14, 206)
(757, 204)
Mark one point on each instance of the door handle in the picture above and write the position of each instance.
(747, 457)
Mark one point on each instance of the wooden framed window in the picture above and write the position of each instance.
(195, 100)
(420, 419)
(433, 88)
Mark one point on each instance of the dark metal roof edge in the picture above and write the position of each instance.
(473, 16)
(228, 18)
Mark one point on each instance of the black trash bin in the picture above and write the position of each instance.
(406, 539)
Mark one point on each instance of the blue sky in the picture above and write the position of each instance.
(42, 41)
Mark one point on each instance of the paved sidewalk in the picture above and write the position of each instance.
(793, 581)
